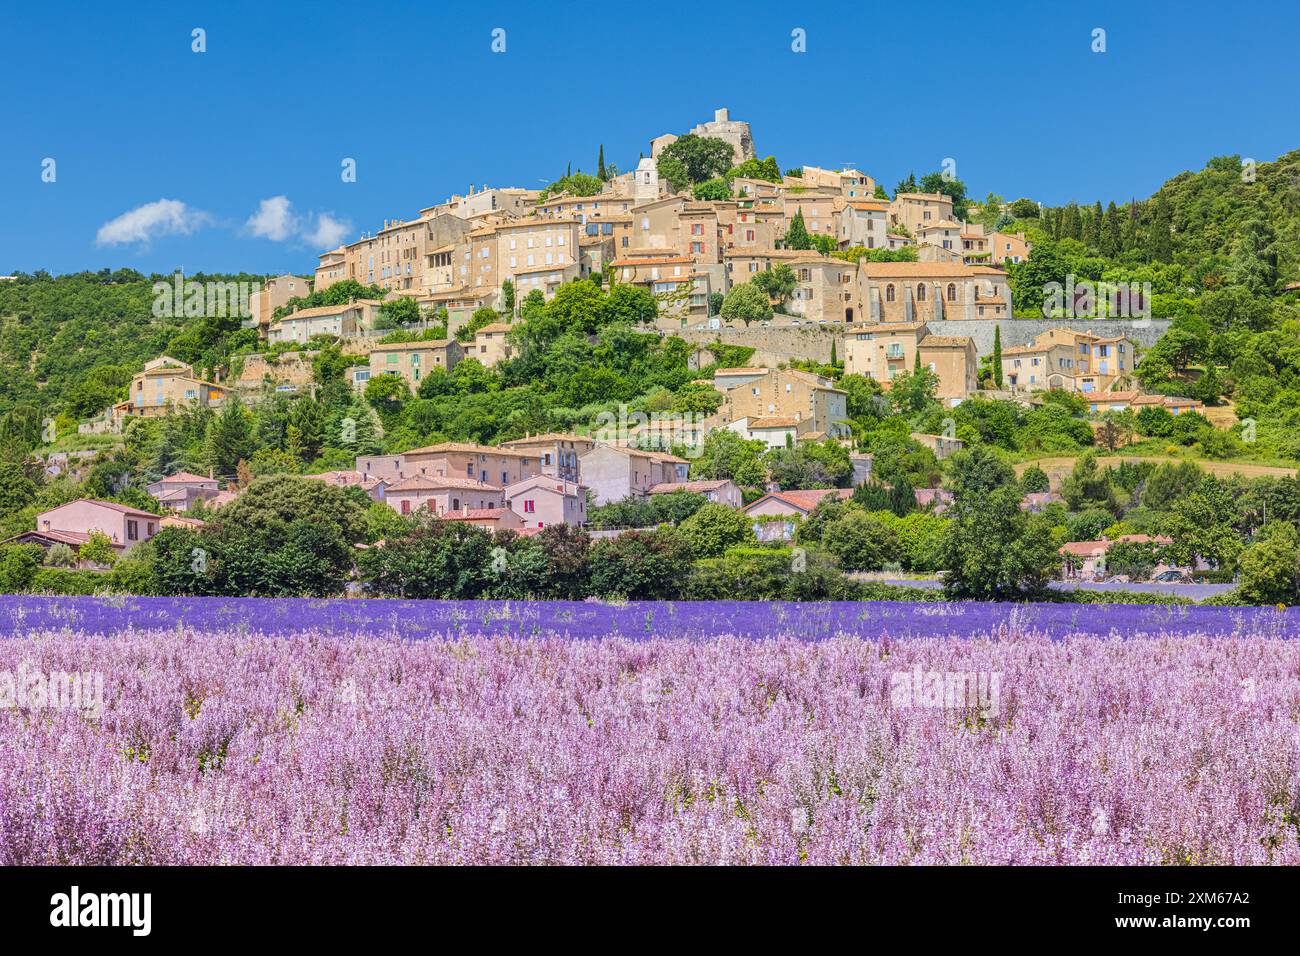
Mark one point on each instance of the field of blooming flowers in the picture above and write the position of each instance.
(310, 732)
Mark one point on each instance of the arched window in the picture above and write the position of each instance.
(952, 292)
(920, 292)
(889, 293)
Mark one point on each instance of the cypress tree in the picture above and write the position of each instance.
(1111, 233)
(902, 498)
(796, 237)
(1160, 238)
(997, 355)
(600, 164)
(1092, 229)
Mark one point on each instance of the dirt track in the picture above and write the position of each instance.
(1058, 468)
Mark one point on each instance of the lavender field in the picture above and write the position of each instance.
(406, 732)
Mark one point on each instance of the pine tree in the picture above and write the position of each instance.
(230, 438)
(997, 355)
(1128, 236)
(1092, 229)
(833, 360)
(902, 498)
(1160, 238)
(796, 237)
(600, 165)
(1071, 223)
(1111, 238)
(1254, 264)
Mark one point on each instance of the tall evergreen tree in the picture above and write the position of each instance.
(1129, 236)
(230, 439)
(997, 355)
(796, 237)
(600, 164)
(902, 497)
(1160, 237)
(1071, 223)
(1111, 238)
(1254, 264)
(1092, 228)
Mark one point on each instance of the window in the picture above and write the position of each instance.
(952, 292)
(406, 506)
(920, 292)
(530, 506)
(132, 530)
(889, 293)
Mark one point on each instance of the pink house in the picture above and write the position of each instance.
(1087, 559)
(543, 500)
(776, 515)
(440, 494)
(372, 486)
(183, 490)
(73, 523)
(722, 492)
(493, 519)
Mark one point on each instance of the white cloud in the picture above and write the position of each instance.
(276, 220)
(166, 217)
(328, 232)
(273, 220)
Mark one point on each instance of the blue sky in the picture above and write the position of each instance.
(412, 91)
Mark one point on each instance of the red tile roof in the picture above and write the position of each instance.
(804, 500)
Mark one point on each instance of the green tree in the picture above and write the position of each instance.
(746, 302)
(388, 395)
(861, 542)
(714, 528)
(18, 566)
(725, 455)
(796, 237)
(712, 190)
(231, 439)
(701, 157)
(993, 550)
(997, 356)
(777, 283)
(641, 565)
(1270, 567)
(98, 550)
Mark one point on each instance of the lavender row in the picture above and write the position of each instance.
(633, 620)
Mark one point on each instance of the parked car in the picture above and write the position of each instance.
(1173, 576)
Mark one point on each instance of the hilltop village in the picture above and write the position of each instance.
(707, 331)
